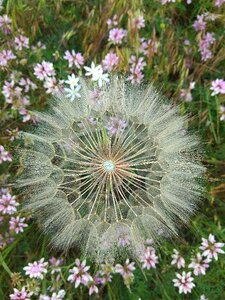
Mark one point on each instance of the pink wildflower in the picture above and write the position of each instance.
(199, 264)
(218, 87)
(126, 270)
(4, 155)
(104, 275)
(11, 91)
(95, 96)
(37, 269)
(116, 35)
(199, 24)
(149, 259)
(21, 42)
(184, 282)
(17, 224)
(204, 44)
(177, 259)
(74, 58)
(88, 120)
(27, 116)
(5, 24)
(218, 3)
(137, 65)
(27, 84)
(20, 294)
(5, 56)
(138, 22)
(43, 70)
(123, 240)
(112, 22)
(8, 204)
(148, 47)
(211, 248)
(115, 125)
(186, 93)
(51, 85)
(55, 264)
(92, 285)
(110, 61)
(79, 274)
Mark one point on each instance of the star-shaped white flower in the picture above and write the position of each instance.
(73, 93)
(101, 78)
(72, 80)
(97, 74)
(93, 71)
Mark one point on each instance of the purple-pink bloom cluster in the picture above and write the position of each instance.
(5, 24)
(79, 274)
(137, 66)
(204, 45)
(115, 125)
(20, 294)
(199, 24)
(211, 248)
(21, 42)
(74, 59)
(37, 269)
(4, 155)
(218, 87)
(184, 282)
(5, 56)
(110, 62)
(116, 35)
(149, 259)
(199, 263)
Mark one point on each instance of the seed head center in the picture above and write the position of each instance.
(109, 166)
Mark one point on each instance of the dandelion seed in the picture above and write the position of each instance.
(107, 177)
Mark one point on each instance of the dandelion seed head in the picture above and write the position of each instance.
(105, 191)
